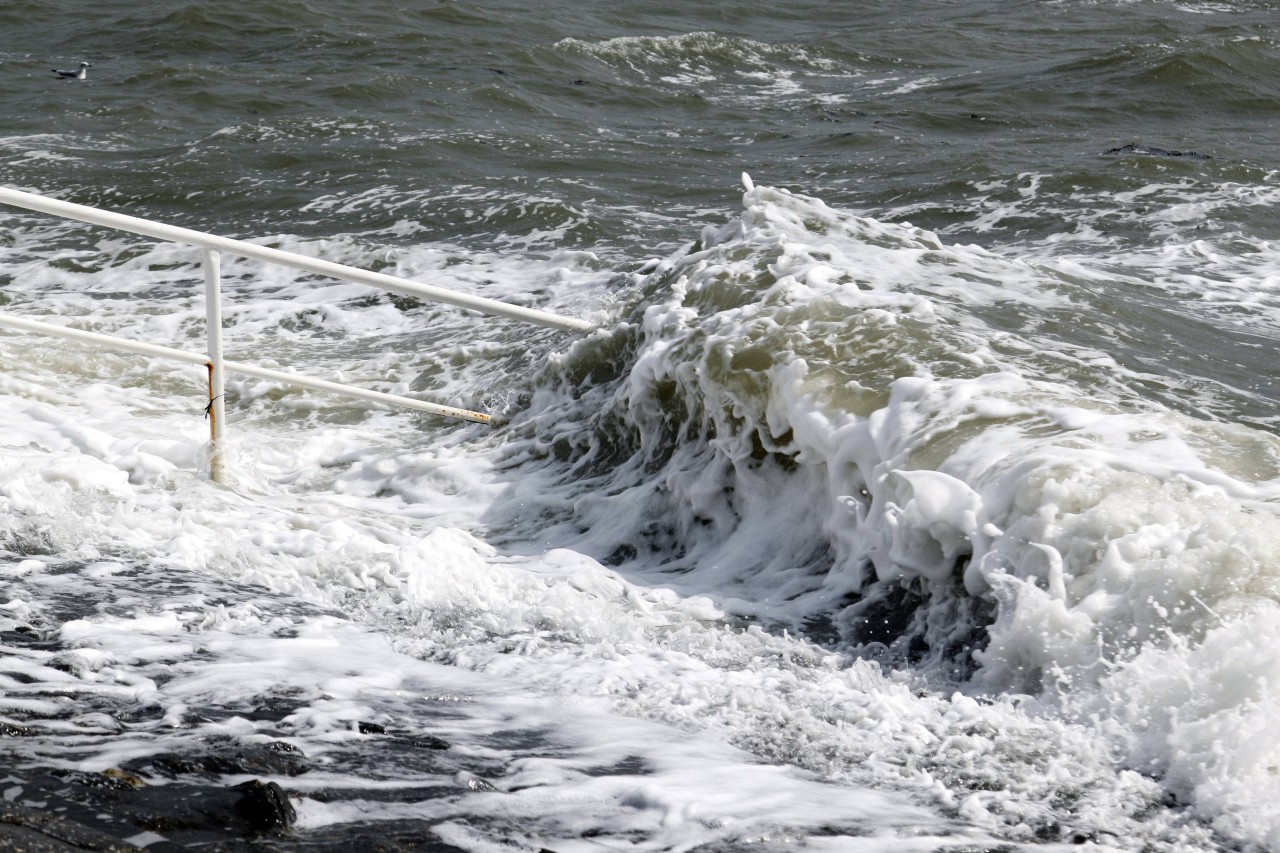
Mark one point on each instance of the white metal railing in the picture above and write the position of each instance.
(211, 246)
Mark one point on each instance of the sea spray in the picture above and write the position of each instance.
(824, 437)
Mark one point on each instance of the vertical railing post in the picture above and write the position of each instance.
(213, 322)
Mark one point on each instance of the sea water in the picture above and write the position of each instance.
(917, 488)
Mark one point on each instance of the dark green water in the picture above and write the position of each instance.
(634, 115)
(1113, 133)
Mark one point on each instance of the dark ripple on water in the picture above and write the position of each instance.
(691, 96)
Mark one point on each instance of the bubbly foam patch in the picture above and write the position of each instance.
(843, 369)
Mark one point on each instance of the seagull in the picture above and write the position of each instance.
(73, 75)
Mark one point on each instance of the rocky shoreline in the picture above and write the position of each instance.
(215, 776)
(183, 802)
(114, 811)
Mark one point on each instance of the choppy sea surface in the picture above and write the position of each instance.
(918, 488)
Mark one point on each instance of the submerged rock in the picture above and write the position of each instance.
(75, 810)
(30, 831)
(411, 740)
(233, 758)
(265, 806)
(200, 813)
(423, 741)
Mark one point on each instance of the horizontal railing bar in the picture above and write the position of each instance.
(352, 391)
(105, 341)
(125, 345)
(161, 231)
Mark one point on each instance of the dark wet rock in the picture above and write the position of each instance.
(79, 811)
(86, 809)
(197, 814)
(422, 741)
(231, 758)
(413, 741)
(264, 806)
(31, 831)
(274, 709)
(120, 779)
(109, 778)
(139, 713)
(25, 637)
(173, 766)
(15, 730)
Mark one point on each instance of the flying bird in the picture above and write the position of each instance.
(73, 75)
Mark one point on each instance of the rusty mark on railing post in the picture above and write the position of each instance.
(217, 468)
(213, 323)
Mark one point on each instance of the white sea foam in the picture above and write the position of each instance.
(859, 410)
(1190, 251)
